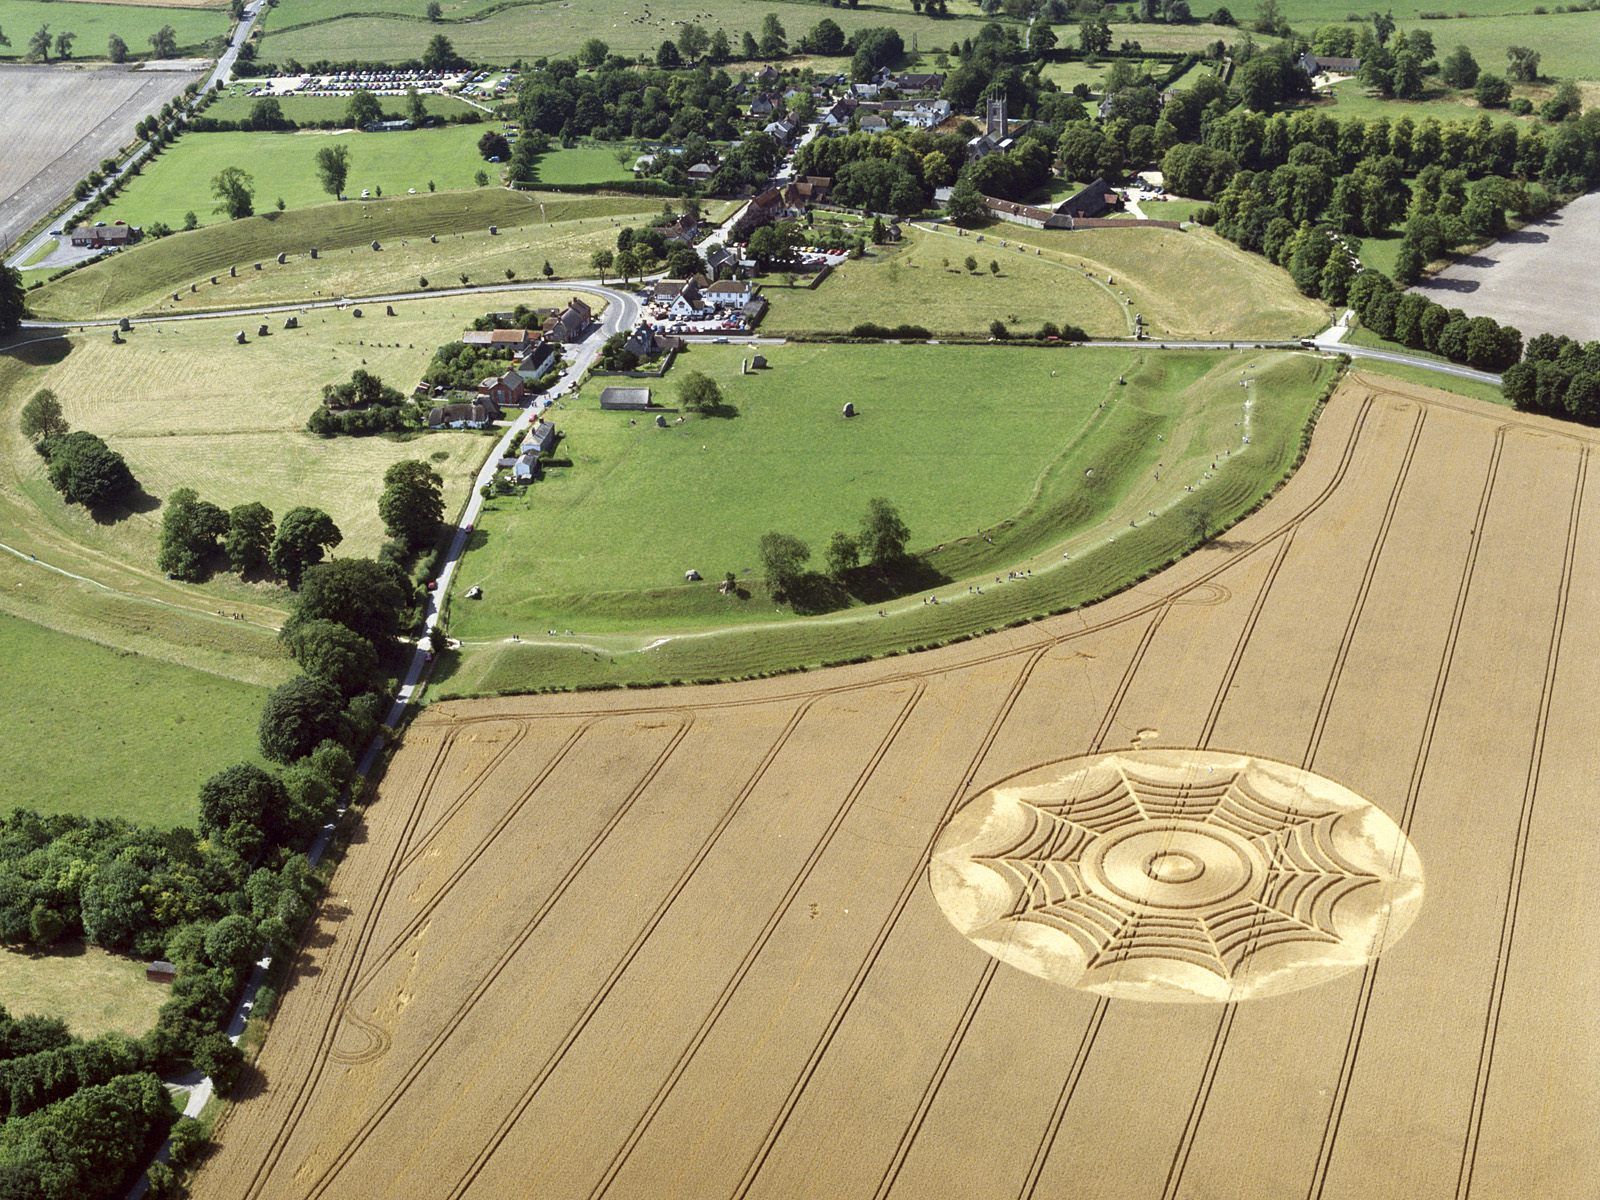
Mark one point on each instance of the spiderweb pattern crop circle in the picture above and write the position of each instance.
(1177, 875)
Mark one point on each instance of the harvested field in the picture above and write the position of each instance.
(1540, 279)
(684, 943)
(57, 123)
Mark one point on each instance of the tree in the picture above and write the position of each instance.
(190, 533)
(266, 113)
(240, 807)
(601, 261)
(692, 41)
(303, 536)
(249, 538)
(667, 57)
(116, 49)
(747, 45)
(547, 270)
(364, 109)
(844, 555)
(164, 42)
(334, 654)
(592, 53)
(297, 716)
(883, 533)
(719, 51)
(774, 42)
(86, 471)
(216, 1057)
(416, 107)
(1094, 36)
(231, 943)
(1522, 64)
(440, 54)
(783, 558)
(494, 146)
(41, 418)
(971, 264)
(434, 11)
(333, 168)
(12, 305)
(39, 44)
(235, 192)
(826, 38)
(64, 42)
(370, 597)
(1459, 69)
(412, 503)
(1492, 91)
(699, 393)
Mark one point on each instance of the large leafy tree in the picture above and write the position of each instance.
(412, 502)
(783, 559)
(41, 417)
(303, 537)
(241, 807)
(362, 594)
(883, 534)
(364, 108)
(190, 531)
(86, 471)
(235, 192)
(164, 42)
(299, 715)
(334, 654)
(249, 537)
(699, 393)
(333, 168)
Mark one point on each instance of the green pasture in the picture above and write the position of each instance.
(533, 227)
(1057, 469)
(587, 162)
(108, 733)
(283, 165)
(195, 26)
(1422, 377)
(235, 105)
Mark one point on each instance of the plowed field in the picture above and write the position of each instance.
(695, 942)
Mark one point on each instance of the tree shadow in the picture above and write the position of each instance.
(722, 411)
(886, 581)
(477, 539)
(139, 502)
(38, 354)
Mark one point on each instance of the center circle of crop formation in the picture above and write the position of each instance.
(1177, 875)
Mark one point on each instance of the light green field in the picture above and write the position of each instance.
(235, 105)
(284, 165)
(487, 31)
(188, 407)
(1067, 74)
(1425, 378)
(533, 226)
(1172, 210)
(1048, 464)
(1352, 101)
(95, 23)
(1181, 39)
(107, 733)
(911, 283)
(587, 162)
(1568, 43)
(92, 991)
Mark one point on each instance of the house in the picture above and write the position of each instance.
(838, 114)
(914, 83)
(729, 293)
(525, 467)
(625, 399)
(701, 172)
(646, 343)
(504, 391)
(763, 210)
(722, 262)
(806, 191)
(387, 126)
(680, 297)
(460, 416)
(1091, 201)
(101, 236)
(864, 91)
(925, 114)
(570, 324)
(766, 105)
(684, 229)
(780, 131)
(541, 438)
(768, 76)
(537, 360)
(1324, 64)
(872, 123)
(510, 341)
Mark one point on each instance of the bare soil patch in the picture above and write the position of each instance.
(1541, 279)
(57, 123)
(684, 942)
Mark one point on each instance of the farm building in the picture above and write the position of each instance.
(570, 324)
(101, 236)
(517, 341)
(1323, 64)
(625, 399)
(1090, 201)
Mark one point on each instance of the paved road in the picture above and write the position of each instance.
(219, 74)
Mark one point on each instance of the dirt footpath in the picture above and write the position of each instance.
(1541, 279)
(703, 942)
(57, 123)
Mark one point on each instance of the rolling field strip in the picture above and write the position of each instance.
(619, 1160)
(1219, 1043)
(330, 1022)
(420, 917)
(958, 1036)
(509, 1121)
(842, 1010)
(1508, 925)
(1369, 976)
(1080, 1060)
(523, 935)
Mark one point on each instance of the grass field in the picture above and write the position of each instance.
(283, 165)
(1049, 464)
(106, 733)
(235, 105)
(500, 33)
(911, 283)
(196, 27)
(533, 226)
(1419, 377)
(587, 162)
(92, 991)
(1566, 41)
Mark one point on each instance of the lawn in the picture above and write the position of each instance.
(533, 227)
(92, 991)
(1188, 283)
(499, 32)
(587, 162)
(107, 733)
(235, 105)
(605, 541)
(283, 165)
(95, 23)
(1567, 42)
(924, 282)
(1352, 101)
